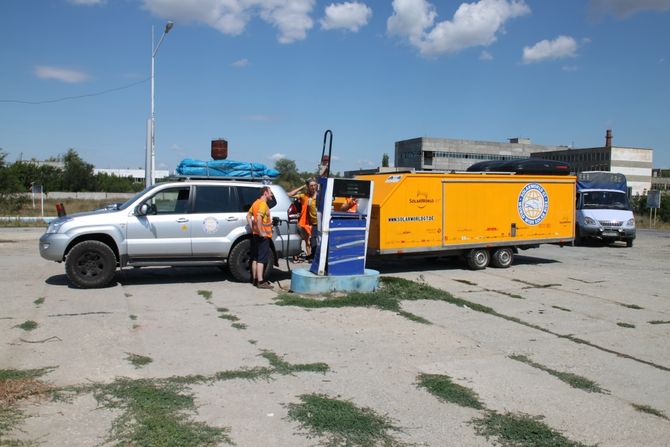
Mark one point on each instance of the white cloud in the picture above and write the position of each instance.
(290, 17)
(348, 15)
(87, 2)
(485, 56)
(626, 8)
(559, 48)
(473, 24)
(278, 156)
(240, 63)
(61, 74)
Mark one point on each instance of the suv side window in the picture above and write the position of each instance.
(170, 201)
(249, 194)
(215, 199)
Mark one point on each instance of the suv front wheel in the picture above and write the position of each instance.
(239, 262)
(90, 264)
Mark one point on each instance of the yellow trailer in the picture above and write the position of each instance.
(486, 217)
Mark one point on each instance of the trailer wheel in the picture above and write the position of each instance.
(502, 257)
(478, 258)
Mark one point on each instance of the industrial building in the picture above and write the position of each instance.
(136, 174)
(633, 162)
(444, 154)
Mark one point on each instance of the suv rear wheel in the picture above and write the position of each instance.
(90, 264)
(239, 262)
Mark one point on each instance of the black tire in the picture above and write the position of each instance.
(478, 258)
(239, 262)
(90, 265)
(629, 243)
(502, 258)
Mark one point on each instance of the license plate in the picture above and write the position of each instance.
(610, 234)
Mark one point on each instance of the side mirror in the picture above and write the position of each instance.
(142, 210)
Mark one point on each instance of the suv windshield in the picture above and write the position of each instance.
(605, 199)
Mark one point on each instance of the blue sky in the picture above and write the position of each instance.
(270, 76)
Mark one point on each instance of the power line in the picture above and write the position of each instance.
(69, 98)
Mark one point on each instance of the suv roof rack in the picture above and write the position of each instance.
(184, 178)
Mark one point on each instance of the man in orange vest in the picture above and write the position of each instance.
(260, 222)
(307, 226)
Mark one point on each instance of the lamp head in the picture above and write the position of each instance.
(168, 26)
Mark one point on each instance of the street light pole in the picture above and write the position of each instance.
(150, 163)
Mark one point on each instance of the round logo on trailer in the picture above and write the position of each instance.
(210, 225)
(533, 203)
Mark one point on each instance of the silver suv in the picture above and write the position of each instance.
(180, 223)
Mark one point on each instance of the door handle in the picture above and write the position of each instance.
(182, 220)
(232, 219)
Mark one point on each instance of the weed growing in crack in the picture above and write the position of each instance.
(650, 410)
(16, 385)
(39, 301)
(626, 325)
(341, 422)
(442, 387)
(564, 309)
(28, 325)
(154, 412)
(520, 430)
(137, 360)
(573, 380)
(206, 294)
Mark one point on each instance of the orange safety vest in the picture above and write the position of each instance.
(260, 212)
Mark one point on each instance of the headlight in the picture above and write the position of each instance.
(631, 222)
(54, 227)
(589, 221)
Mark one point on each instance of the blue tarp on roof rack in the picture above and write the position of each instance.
(224, 168)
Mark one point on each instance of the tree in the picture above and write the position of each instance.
(77, 175)
(288, 174)
(10, 186)
(385, 160)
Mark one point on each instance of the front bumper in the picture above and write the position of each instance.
(608, 233)
(52, 246)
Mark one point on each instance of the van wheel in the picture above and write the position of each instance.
(239, 262)
(629, 243)
(478, 258)
(502, 257)
(90, 264)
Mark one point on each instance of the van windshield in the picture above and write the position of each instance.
(605, 199)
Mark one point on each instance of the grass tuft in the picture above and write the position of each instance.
(280, 366)
(239, 326)
(207, 294)
(229, 317)
(650, 410)
(443, 388)
(154, 413)
(627, 325)
(573, 380)
(137, 360)
(388, 297)
(341, 422)
(132, 317)
(16, 385)
(631, 306)
(39, 301)
(520, 430)
(659, 322)
(27, 325)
